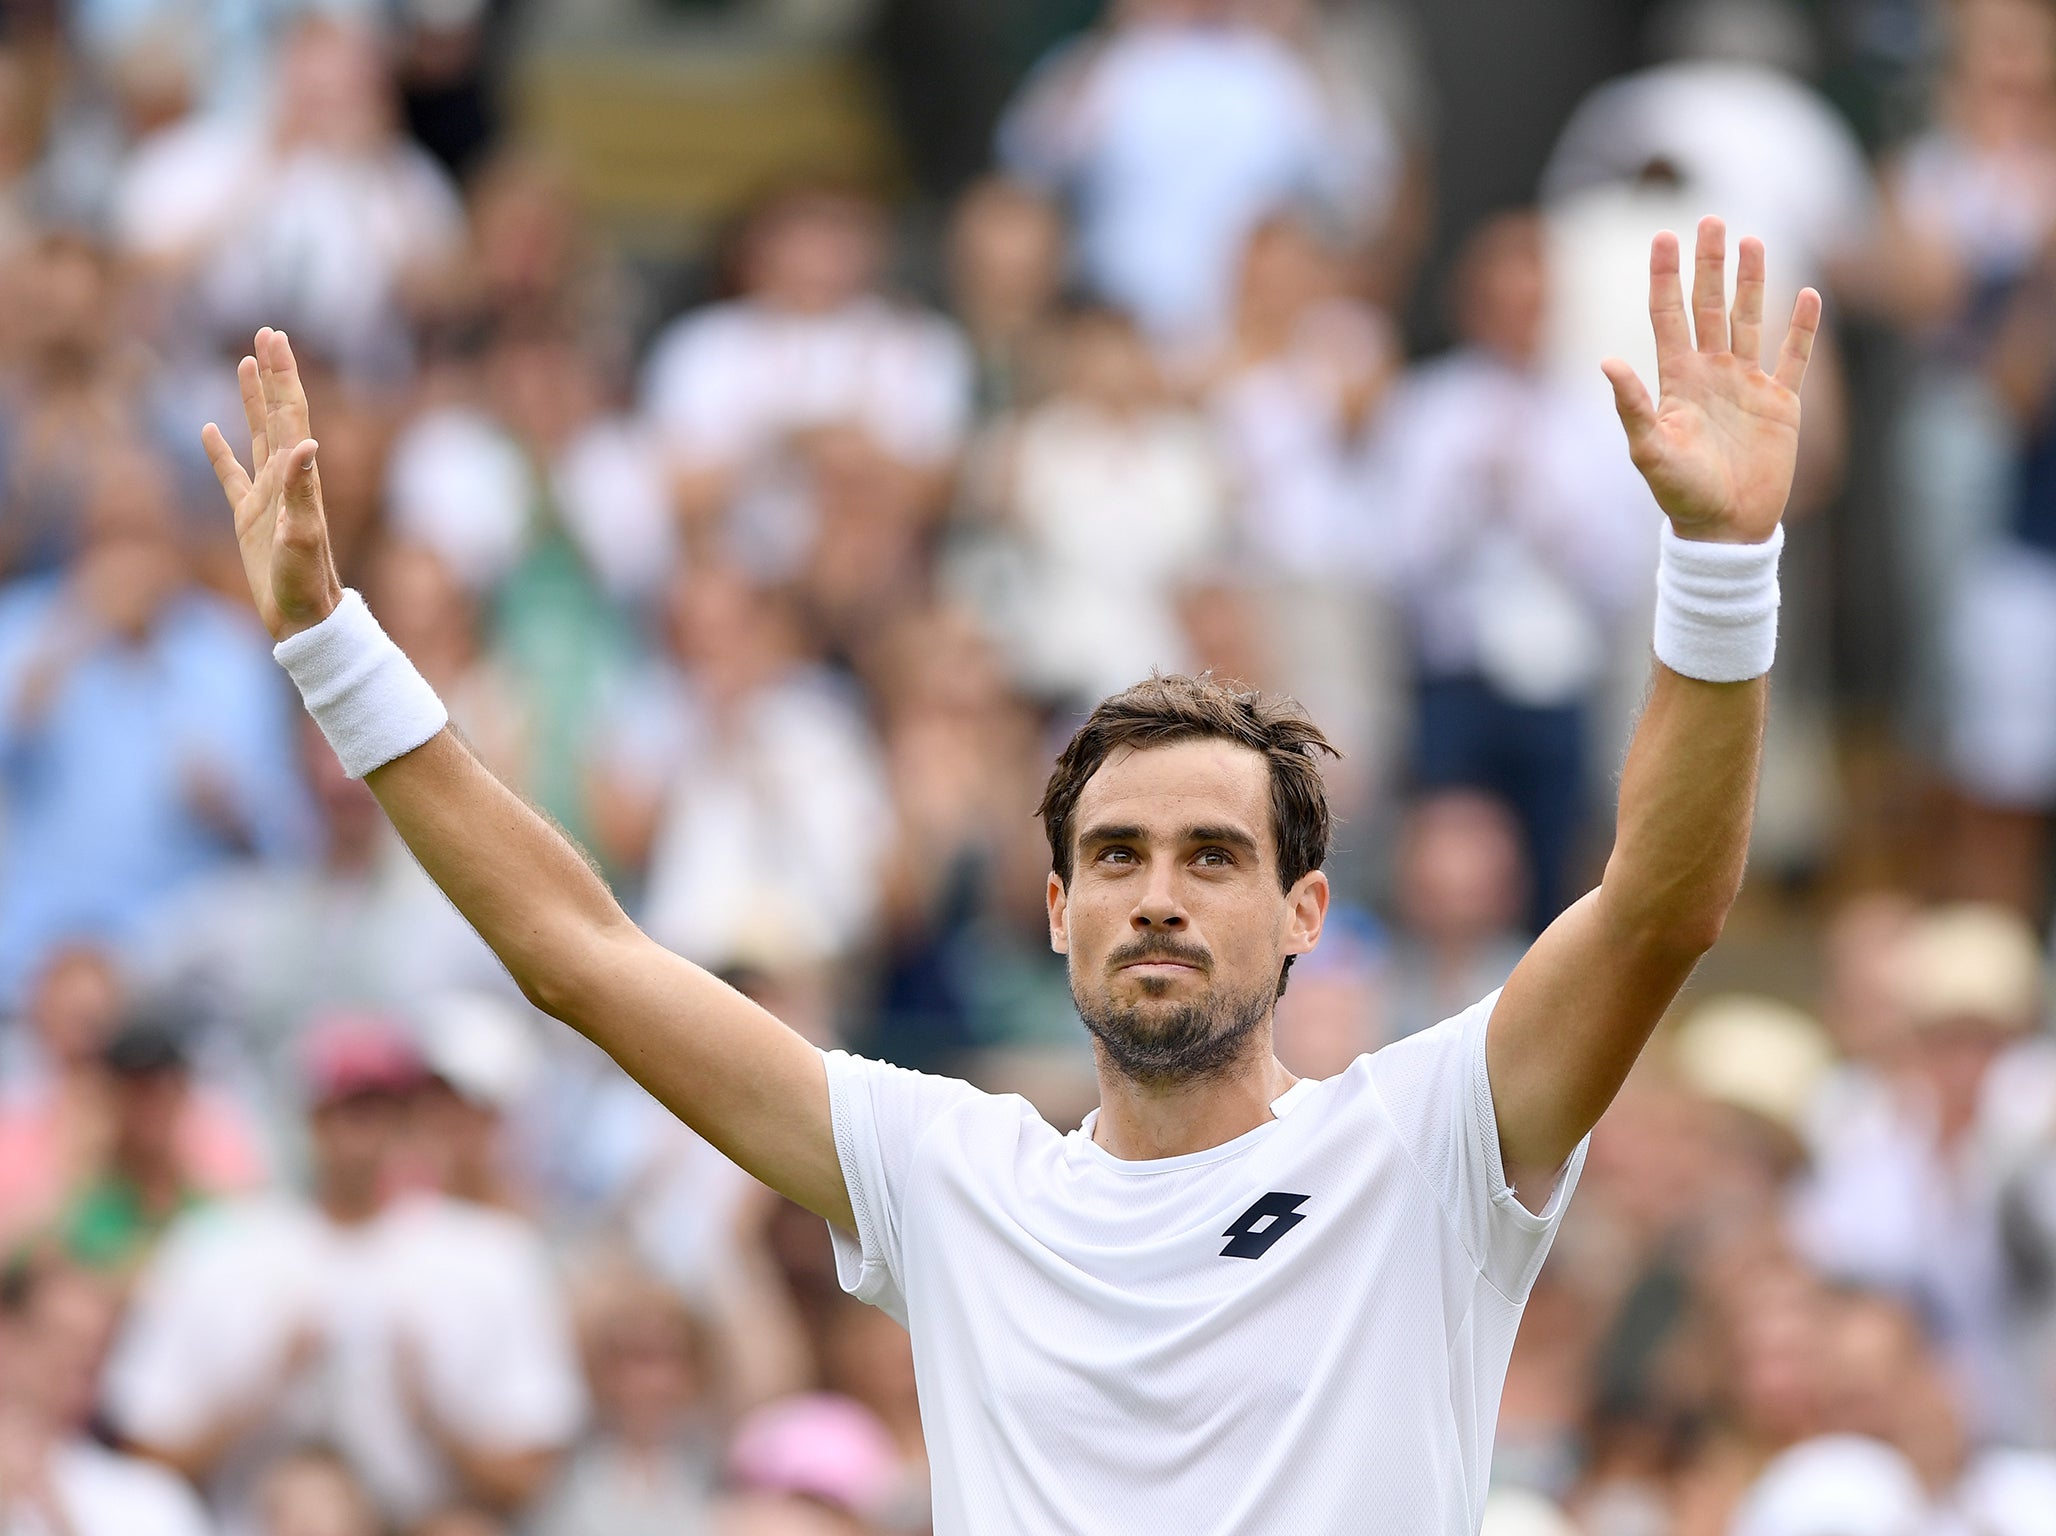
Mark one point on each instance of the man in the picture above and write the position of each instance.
(427, 1339)
(1231, 1302)
(55, 1479)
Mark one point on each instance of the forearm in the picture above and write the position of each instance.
(515, 878)
(1688, 794)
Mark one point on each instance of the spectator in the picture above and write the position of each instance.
(1111, 497)
(174, 1146)
(966, 968)
(434, 618)
(1519, 533)
(1174, 132)
(70, 379)
(1906, 1197)
(650, 1464)
(1293, 394)
(424, 1337)
(1461, 892)
(53, 1090)
(259, 951)
(144, 738)
(748, 395)
(1339, 1003)
(54, 1479)
(1007, 253)
(743, 784)
(484, 1066)
(318, 214)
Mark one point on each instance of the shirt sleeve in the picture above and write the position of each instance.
(881, 1115)
(1438, 1097)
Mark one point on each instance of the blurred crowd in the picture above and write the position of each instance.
(780, 598)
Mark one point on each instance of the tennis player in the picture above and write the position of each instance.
(1230, 1301)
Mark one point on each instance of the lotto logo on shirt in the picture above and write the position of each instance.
(1257, 1228)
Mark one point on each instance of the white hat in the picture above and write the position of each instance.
(1837, 1485)
(1754, 1053)
(1974, 960)
(481, 1047)
(1523, 1512)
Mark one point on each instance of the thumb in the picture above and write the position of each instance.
(1630, 399)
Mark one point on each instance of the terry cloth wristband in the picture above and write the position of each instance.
(1717, 607)
(360, 688)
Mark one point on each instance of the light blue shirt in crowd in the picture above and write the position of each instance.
(97, 824)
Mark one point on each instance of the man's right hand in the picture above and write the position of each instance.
(280, 527)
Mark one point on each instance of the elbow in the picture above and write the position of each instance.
(563, 981)
(1679, 932)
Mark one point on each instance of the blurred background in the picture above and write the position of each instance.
(769, 424)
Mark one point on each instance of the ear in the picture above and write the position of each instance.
(1306, 910)
(1059, 915)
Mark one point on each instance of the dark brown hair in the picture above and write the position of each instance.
(1170, 707)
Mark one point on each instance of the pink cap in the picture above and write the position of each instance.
(347, 1054)
(820, 1445)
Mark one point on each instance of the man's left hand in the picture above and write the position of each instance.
(1719, 447)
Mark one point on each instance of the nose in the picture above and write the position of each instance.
(1159, 909)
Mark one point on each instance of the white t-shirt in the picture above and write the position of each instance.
(102, 1494)
(470, 1290)
(729, 384)
(1305, 1329)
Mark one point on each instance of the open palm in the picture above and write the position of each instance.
(1720, 445)
(280, 527)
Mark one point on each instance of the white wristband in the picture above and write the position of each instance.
(360, 688)
(1717, 607)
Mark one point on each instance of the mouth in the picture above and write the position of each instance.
(1158, 966)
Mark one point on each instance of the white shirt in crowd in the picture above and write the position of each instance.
(323, 239)
(776, 819)
(1113, 516)
(1176, 141)
(459, 482)
(1304, 1329)
(1517, 530)
(100, 1493)
(468, 1293)
(728, 385)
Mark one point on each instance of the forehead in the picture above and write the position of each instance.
(1181, 784)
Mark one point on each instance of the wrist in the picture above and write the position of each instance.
(360, 687)
(1717, 606)
(304, 616)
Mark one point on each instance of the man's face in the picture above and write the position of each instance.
(1174, 922)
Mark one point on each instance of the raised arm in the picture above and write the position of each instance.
(715, 1059)
(1718, 450)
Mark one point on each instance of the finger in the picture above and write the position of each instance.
(291, 392)
(1631, 400)
(1798, 347)
(235, 484)
(253, 413)
(1748, 316)
(1710, 287)
(1667, 302)
(302, 483)
(267, 379)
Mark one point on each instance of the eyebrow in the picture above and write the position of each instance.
(1210, 832)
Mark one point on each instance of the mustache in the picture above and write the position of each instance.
(1161, 947)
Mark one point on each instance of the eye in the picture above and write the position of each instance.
(1214, 858)
(1116, 855)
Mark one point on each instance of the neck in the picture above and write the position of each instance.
(1139, 1121)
